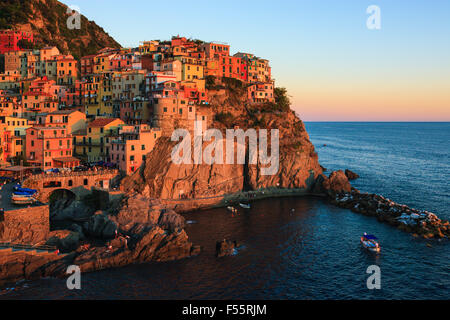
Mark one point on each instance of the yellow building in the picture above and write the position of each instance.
(192, 71)
(105, 92)
(92, 143)
(14, 145)
(102, 63)
(148, 46)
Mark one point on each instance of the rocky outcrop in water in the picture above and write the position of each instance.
(420, 222)
(161, 178)
(351, 175)
(226, 248)
(147, 231)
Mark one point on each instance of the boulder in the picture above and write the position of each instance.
(64, 240)
(351, 175)
(76, 210)
(99, 226)
(337, 182)
(170, 220)
(226, 248)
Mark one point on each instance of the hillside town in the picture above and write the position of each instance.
(110, 107)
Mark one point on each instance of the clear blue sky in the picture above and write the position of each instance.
(333, 66)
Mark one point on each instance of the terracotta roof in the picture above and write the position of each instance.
(101, 122)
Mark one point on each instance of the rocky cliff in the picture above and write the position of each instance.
(139, 230)
(47, 19)
(299, 168)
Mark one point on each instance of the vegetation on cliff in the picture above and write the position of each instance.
(47, 19)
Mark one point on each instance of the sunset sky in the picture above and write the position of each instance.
(334, 68)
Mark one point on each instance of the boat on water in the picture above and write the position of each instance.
(245, 205)
(369, 243)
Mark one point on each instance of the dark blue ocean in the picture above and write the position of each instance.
(313, 252)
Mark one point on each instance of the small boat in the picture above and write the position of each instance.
(23, 201)
(245, 205)
(22, 198)
(369, 243)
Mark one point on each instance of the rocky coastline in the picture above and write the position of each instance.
(418, 222)
(146, 224)
(140, 231)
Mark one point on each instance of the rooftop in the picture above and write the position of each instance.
(101, 122)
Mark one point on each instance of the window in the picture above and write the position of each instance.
(143, 147)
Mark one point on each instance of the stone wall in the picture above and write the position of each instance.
(26, 226)
(69, 181)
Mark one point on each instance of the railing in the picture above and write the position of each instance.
(75, 174)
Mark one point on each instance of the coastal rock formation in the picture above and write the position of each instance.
(18, 265)
(64, 240)
(161, 178)
(147, 231)
(226, 248)
(419, 222)
(337, 182)
(100, 226)
(351, 175)
(75, 210)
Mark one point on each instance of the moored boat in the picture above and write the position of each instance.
(369, 243)
(245, 205)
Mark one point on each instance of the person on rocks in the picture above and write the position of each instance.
(2, 214)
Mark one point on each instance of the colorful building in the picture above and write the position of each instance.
(49, 147)
(92, 144)
(73, 121)
(130, 148)
(261, 92)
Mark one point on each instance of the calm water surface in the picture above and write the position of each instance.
(312, 252)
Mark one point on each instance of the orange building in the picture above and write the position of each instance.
(215, 50)
(261, 92)
(129, 150)
(66, 69)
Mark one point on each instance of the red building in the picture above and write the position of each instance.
(87, 64)
(230, 67)
(9, 40)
